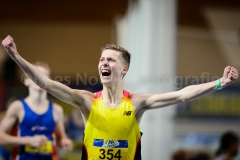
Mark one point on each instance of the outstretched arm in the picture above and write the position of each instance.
(7, 124)
(153, 101)
(55, 88)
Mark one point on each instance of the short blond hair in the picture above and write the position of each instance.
(125, 55)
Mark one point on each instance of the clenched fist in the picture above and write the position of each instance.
(10, 46)
(66, 144)
(230, 75)
(37, 141)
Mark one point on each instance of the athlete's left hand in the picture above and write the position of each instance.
(230, 75)
(66, 144)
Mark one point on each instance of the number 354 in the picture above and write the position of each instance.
(108, 154)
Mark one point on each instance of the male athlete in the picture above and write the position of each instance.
(33, 124)
(112, 116)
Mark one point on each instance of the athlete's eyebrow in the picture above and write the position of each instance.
(108, 58)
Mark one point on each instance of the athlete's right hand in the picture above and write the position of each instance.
(10, 46)
(37, 141)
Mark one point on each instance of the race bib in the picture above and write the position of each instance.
(47, 148)
(110, 149)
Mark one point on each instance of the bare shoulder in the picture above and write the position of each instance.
(13, 115)
(86, 96)
(83, 93)
(58, 113)
(139, 96)
(57, 108)
(138, 99)
(15, 108)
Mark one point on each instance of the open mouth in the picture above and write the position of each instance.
(106, 72)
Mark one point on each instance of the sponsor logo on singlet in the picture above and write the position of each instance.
(39, 128)
(110, 143)
(127, 113)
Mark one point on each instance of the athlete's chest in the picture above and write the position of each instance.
(120, 118)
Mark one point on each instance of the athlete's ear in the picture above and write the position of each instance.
(26, 81)
(125, 69)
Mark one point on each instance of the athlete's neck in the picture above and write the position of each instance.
(112, 94)
(37, 97)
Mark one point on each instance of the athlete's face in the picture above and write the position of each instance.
(29, 83)
(111, 67)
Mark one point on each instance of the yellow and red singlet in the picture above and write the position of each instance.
(112, 133)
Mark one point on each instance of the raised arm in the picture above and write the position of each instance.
(55, 88)
(7, 124)
(153, 101)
